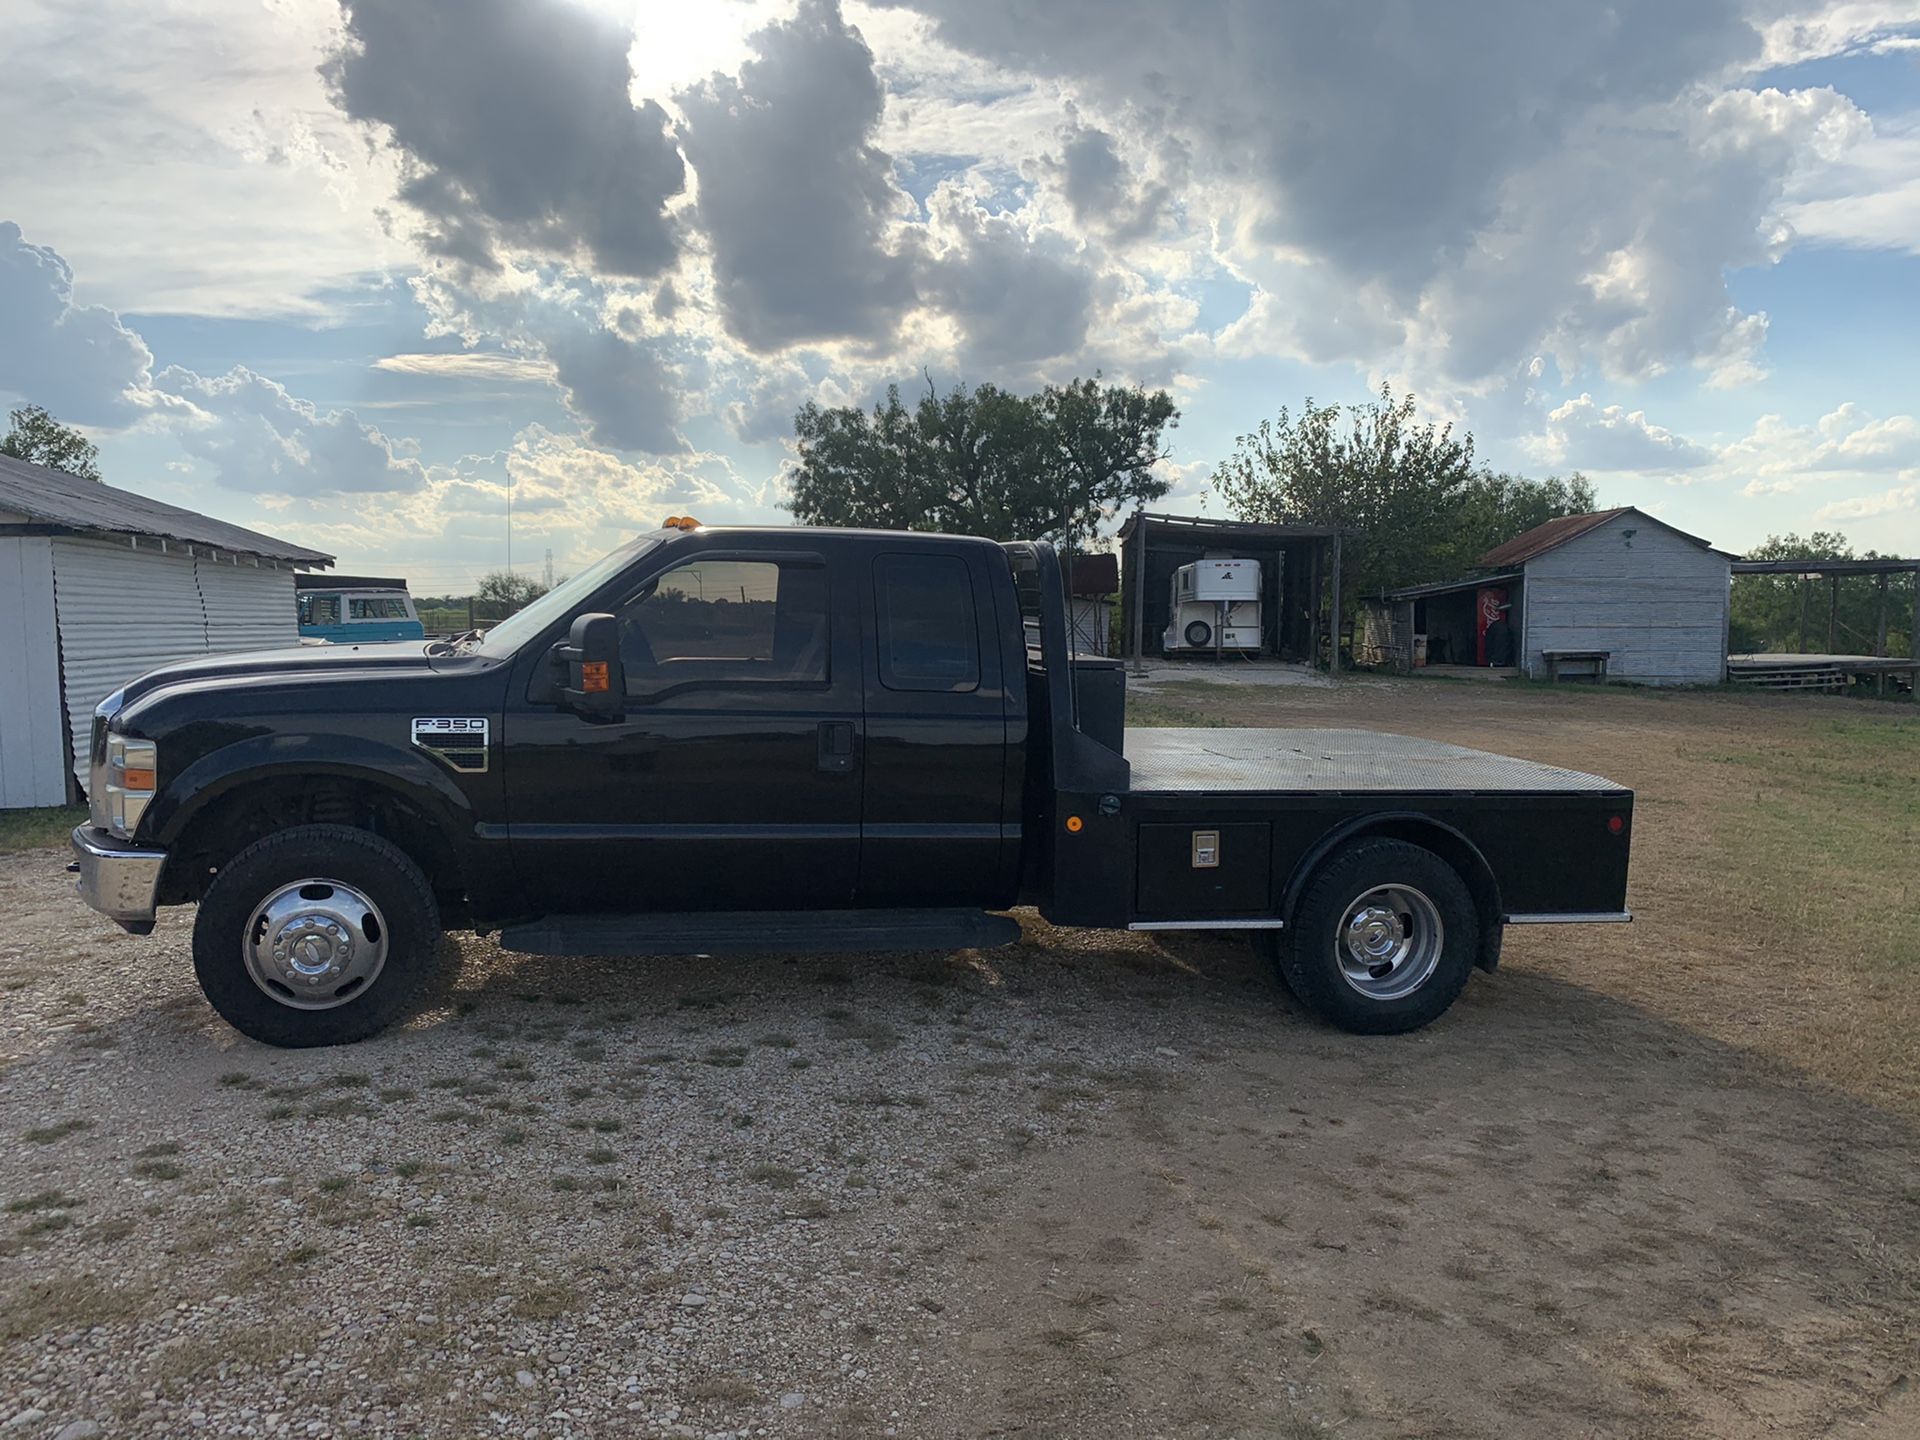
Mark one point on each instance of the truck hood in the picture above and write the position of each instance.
(292, 663)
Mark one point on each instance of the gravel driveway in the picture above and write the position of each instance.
(1090, 1185)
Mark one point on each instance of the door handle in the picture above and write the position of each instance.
(836, 746)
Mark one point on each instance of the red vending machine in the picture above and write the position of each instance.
(1492, 605)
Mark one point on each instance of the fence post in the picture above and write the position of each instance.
(1333, 624)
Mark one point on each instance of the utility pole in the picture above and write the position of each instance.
(546, 575)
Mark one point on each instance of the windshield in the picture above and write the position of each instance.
(514, 631)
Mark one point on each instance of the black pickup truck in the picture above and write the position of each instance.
(720, 740)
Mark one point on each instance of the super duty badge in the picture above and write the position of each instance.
(462, 743)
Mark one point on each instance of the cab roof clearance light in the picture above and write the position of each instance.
(679, 522)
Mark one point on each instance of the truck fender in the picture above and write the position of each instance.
(1418, 829)
(410, 775)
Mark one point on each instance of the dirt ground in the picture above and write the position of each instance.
(1655, 1180)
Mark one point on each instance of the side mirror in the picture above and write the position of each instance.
(595, 684)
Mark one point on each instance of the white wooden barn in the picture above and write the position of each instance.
(98, 585)
(1616, 593)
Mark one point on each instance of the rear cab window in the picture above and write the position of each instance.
(929, 637)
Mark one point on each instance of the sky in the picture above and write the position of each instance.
(366, 275)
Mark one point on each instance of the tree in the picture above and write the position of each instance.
(503, 587)
(1398, 482)
(853, 470)
(1418, 506)
(983, 461)
(1497, 507)
(1102, 446)
(39, 439)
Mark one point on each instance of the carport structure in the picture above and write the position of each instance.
(1299, 566)
(1808, 667)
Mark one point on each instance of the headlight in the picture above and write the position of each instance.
(131, 766)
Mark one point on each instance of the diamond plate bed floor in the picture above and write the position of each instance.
(1173, 760)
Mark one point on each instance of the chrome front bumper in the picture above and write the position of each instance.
(117, 879)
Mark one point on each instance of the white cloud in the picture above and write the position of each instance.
(1866, 507)
(1016, 296)
(1846, 445)
(78, 361)
(1583, 435)
(567, 495)
(1869, 197)
(797, 203)
(1814, 31)
(515, 127)
(468, 365)
(258, 438)
(1577, 181)
(183, 156)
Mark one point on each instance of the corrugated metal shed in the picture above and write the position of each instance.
(54, 498)
(32, 750)
(123, 611)
(120, 583)
(1655, 598)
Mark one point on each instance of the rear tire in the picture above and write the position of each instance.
(1383, 939)
(319, 935)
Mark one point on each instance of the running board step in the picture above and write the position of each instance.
(783, 931)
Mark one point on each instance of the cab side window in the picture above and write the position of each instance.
(725, 622)
(325, 611)
(929, 638)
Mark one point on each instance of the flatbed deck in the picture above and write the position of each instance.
(1289, 761)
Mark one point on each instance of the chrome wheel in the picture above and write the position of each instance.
(315, 944)
(1389, 942)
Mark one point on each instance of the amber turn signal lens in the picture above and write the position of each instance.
(1075, 824)
(593, 677)
(137, 779)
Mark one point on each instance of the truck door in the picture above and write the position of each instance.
(934, 823)
(733, 781)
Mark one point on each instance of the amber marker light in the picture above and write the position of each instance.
(593, 678)
(1075, 824)
(137, 779)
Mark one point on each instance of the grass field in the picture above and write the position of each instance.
(34, 829)
(1776, 867)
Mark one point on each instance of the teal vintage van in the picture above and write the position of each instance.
(355, 609)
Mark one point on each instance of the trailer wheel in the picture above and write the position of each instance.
(318, 935)
(1383, 939)
(1199, 634)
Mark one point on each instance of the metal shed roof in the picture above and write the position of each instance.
(1448, 587)
(1206, 529)
(1555, 533)
(68, 503)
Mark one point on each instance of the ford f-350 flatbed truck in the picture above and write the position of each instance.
(718, 740)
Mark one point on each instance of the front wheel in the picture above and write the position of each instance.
(318, 935)
(1383, 938)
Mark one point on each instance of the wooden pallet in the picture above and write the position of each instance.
(1807, 677)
